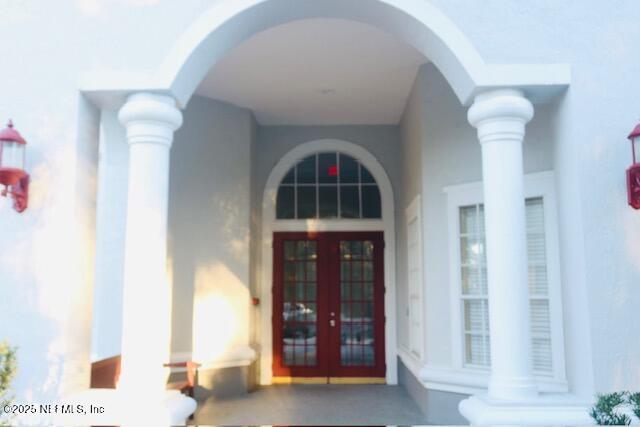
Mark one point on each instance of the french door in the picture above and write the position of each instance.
(328, 305)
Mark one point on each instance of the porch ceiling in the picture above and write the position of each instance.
(317, 72)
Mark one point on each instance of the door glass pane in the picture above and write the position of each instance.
(367, 270)
(356, 291)
(357, 339)
(367, 248)
(299, 309)
(368, 291)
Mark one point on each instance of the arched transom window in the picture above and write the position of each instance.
(328, 185)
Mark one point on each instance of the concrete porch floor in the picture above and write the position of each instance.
(314, 405)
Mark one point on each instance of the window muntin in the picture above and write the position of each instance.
(328, 185)
(475, 302)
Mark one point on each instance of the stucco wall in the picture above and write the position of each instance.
(209, 229)
(599, 232)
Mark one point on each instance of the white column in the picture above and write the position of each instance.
(150, 121)
(500, 117)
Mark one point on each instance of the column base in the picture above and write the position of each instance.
(546, 409)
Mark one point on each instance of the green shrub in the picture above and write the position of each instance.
(604, 412)
(7, 372)
(634, 401)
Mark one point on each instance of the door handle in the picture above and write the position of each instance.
(332, 323)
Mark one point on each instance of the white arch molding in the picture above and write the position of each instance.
(230, 22)
(271, 225)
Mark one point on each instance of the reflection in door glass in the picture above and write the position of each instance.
(299, 314)
(357, 339)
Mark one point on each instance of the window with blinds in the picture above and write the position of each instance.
(475, 302)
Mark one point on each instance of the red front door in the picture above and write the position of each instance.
(328, 305)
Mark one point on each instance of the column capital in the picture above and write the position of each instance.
(150, 118)
(499, 114)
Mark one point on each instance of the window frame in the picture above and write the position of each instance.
(536, 185)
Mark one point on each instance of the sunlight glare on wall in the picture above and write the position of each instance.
(220, 313)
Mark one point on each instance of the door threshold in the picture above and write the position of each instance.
(330, 380)
(357, 380)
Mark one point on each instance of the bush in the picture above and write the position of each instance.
(7, 372)
(634, 401)
(616, 409)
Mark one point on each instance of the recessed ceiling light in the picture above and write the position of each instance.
(326, 91)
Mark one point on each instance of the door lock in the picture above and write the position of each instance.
(332, 323)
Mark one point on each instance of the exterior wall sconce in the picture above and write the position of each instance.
(12, 167)
(633, 173)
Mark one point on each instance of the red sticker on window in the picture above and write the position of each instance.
(333, 170)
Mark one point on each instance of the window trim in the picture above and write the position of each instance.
(539, 184)
(413, 213)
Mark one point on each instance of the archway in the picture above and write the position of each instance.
(418, 23)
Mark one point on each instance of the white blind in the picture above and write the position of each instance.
(475, 302)
(474, 287)
(538, 288)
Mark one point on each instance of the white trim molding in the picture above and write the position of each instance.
(549, 410)
(270, 225)
(462, 381)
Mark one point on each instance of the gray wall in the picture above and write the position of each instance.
(209, 205)
(440, 408)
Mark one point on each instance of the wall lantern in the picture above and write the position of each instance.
(12, 171)
(633, 173)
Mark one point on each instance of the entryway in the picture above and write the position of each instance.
(328, 305)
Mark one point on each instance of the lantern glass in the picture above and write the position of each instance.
(12, 155)
(635, 146)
